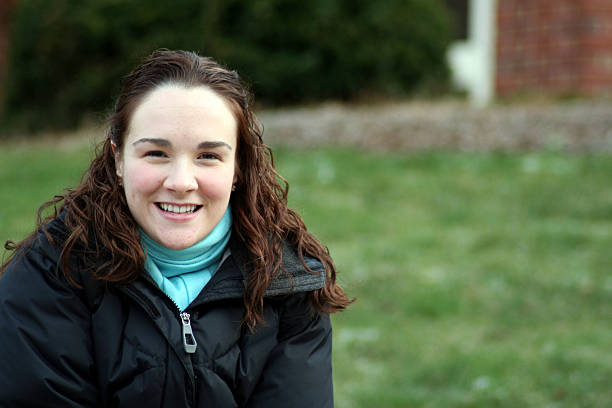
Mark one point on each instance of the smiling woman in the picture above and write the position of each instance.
(175, 274)
(178, 180)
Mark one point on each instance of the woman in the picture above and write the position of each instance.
(174, 274)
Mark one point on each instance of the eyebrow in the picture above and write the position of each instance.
(159, 142)
(212, 145)
(166, 143)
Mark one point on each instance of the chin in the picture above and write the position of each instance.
(177, 246)
(176, 242)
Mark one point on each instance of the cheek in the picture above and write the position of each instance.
(217, 186)
(140, 179)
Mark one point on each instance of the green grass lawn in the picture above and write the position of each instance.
(483, 279)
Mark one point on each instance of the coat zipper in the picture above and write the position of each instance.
(190, 344)
(189, 341)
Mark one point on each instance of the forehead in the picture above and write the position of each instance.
(174, 110)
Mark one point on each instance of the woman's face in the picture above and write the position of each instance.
(177, 163)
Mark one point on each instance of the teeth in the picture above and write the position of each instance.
(179, 209)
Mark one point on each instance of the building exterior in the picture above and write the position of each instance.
(561, 46)
(534, 46)
(472, 58)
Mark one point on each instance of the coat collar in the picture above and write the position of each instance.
(230, 279)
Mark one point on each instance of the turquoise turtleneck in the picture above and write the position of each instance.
(182, 274)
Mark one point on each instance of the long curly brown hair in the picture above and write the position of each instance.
(98, 218)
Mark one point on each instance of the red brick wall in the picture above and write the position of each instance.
(555, 46)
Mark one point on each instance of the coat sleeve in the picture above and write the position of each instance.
(299, 369)
(45, 342)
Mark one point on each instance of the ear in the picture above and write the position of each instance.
(236, 173)
(118, 160)
(236, 180)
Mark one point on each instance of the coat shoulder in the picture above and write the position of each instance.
(294, 278)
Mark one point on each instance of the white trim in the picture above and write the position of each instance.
(472, 62)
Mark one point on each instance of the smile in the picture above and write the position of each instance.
(178, 209)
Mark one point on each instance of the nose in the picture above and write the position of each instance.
(181, 178)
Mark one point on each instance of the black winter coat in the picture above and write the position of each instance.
(124, 345)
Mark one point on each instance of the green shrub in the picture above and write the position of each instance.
(67, 56)
(296, 51)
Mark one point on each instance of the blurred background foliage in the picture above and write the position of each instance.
(67, 57)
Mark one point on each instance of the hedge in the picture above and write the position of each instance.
(67, 57)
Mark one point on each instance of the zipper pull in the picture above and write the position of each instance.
(189, 340)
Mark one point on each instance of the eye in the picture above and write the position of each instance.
(208, 156)
(155, 153)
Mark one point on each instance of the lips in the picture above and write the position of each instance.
(178, 208)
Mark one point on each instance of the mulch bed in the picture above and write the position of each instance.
(578, 126)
